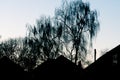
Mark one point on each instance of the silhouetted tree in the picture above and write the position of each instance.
(79, 26)
(43, 39)
(26, 59)
(11, 48)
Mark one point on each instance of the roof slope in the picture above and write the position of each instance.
(104, 67)
(9, 69)
(60, 67)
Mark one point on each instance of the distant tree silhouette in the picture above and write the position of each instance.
(17, 51)
(79, 26)
(11, 48)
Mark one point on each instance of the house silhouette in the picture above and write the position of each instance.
(107, 66)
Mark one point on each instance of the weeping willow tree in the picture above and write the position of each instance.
(43, 38)
(69, 33)
(79, 26)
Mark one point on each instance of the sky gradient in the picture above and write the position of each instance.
(15, 14)
(109, 18)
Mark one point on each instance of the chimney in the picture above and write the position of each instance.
(94, 55)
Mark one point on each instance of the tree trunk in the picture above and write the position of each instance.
(76, 55)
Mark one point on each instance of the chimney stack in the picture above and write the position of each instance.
(94, 55)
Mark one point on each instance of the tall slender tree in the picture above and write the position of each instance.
(79, 26)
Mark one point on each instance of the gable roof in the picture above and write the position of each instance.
(104, 65)
(57, 67)
(106, 57)
(6, 63)
(10, 69)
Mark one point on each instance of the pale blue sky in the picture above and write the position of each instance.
(15, 14)
(109, 17)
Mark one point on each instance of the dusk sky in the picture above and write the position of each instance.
(15, 14)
